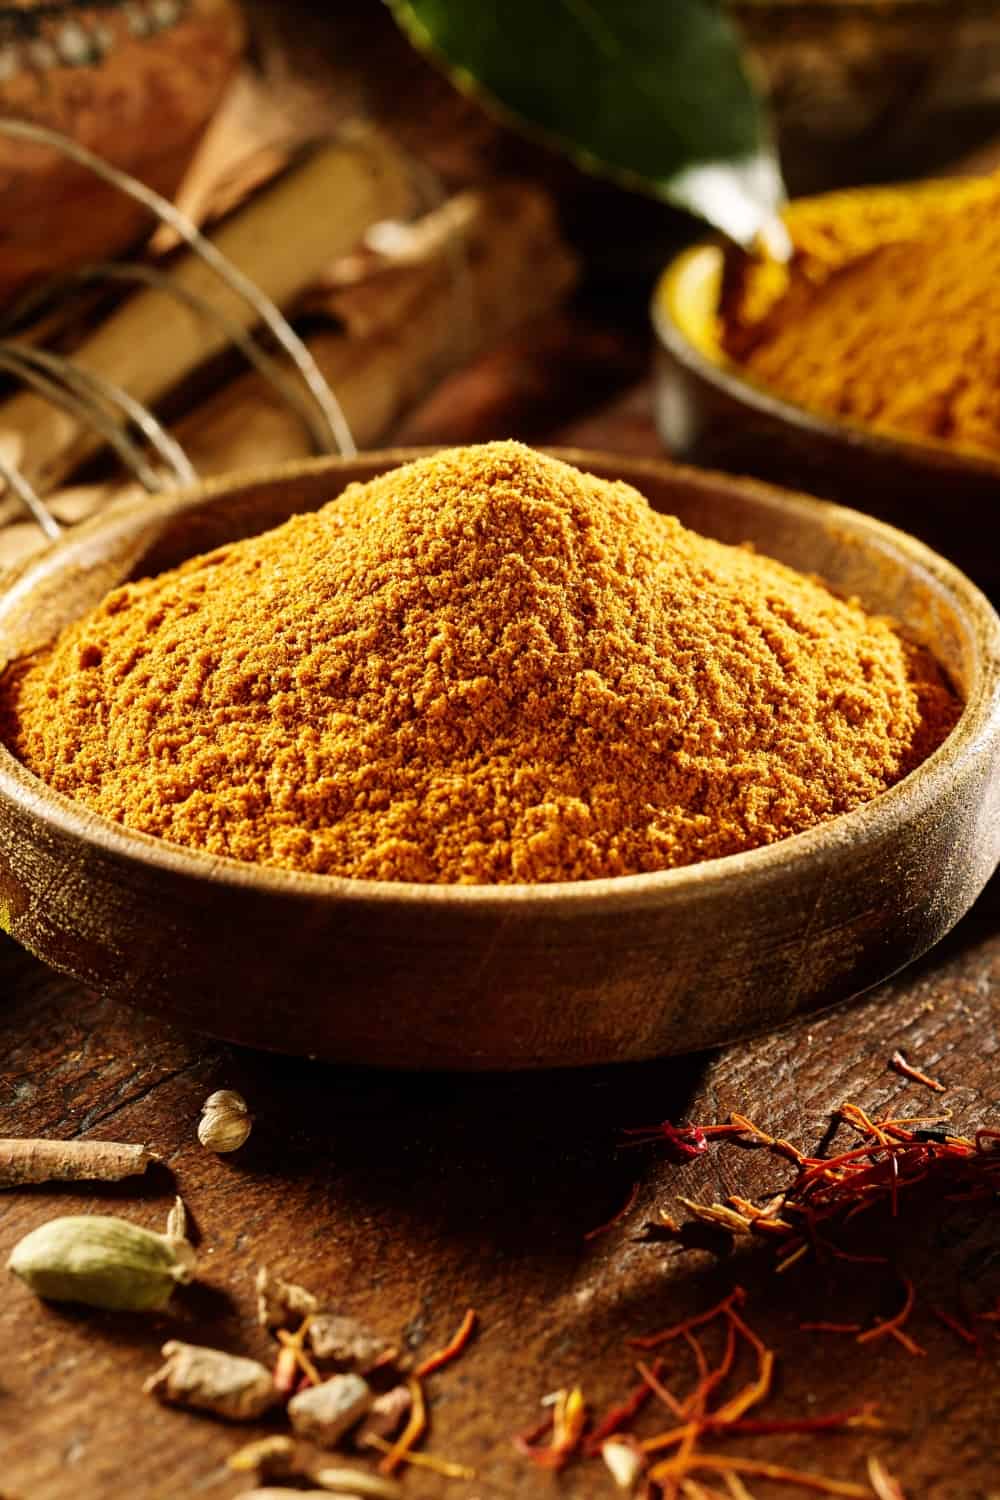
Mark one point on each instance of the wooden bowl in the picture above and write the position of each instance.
(710, 413)
(510, 976)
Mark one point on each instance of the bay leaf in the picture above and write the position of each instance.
(653, 93)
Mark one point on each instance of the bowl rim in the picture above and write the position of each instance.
(977, 726)
(672, 332)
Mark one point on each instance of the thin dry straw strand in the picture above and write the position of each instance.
(244, 342)
(266, 310)
(89, 385)
(85, 412)
(19, 486)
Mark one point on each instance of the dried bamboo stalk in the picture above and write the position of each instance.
(489, 261)
(281, 239)
(415, 324)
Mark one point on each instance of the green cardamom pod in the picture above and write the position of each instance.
(103, 1262)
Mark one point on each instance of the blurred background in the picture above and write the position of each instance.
(453, 276)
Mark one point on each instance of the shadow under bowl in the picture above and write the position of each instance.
(510, 976)
(709, 413)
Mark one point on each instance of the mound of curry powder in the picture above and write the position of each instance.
(483, 667)
(889, 314)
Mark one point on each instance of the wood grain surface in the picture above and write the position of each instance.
(405, 1199)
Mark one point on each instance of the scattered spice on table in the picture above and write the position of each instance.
(566, 1423)
(387, 1414)
(267, 1458)
(967, 1335)
(896, 1163)
(884, 1485)
(293, 1364)
(416, 1426)
(669, 1460)
(347, 1343)
(431, 1461)
(104, 1262)
(357, 1484)
(452, 1349)
(24, 1161)
(894, 1158)
(624, 1413)
(225, 1123)
(178, 1220)
(485, 666)
(327, 1409)
(280, 1303)
(899, 1063)
(210, 1380)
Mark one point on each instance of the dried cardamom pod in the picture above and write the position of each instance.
(102, 1262)
(225, 1121)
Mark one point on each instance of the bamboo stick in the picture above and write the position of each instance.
(489, 261)
(281, 238)
(416, 324)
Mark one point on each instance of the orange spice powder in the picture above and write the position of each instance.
(889, 314)
(483, 667)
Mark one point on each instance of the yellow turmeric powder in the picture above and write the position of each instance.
(889, 314)
(486, 666)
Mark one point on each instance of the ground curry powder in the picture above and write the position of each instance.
(889, 314)
(483, 667)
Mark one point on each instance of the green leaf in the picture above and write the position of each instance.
(651, 92)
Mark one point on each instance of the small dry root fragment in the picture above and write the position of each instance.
(326, 1412)
(266, 1458)
(282, 1304)
(24, 1161)
(227, 1385)
(102, 1262)
(357, 1482)
(347, 1343)
(225, 1121)
(387, 1415)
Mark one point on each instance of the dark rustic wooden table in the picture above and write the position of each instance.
(405, 1199)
